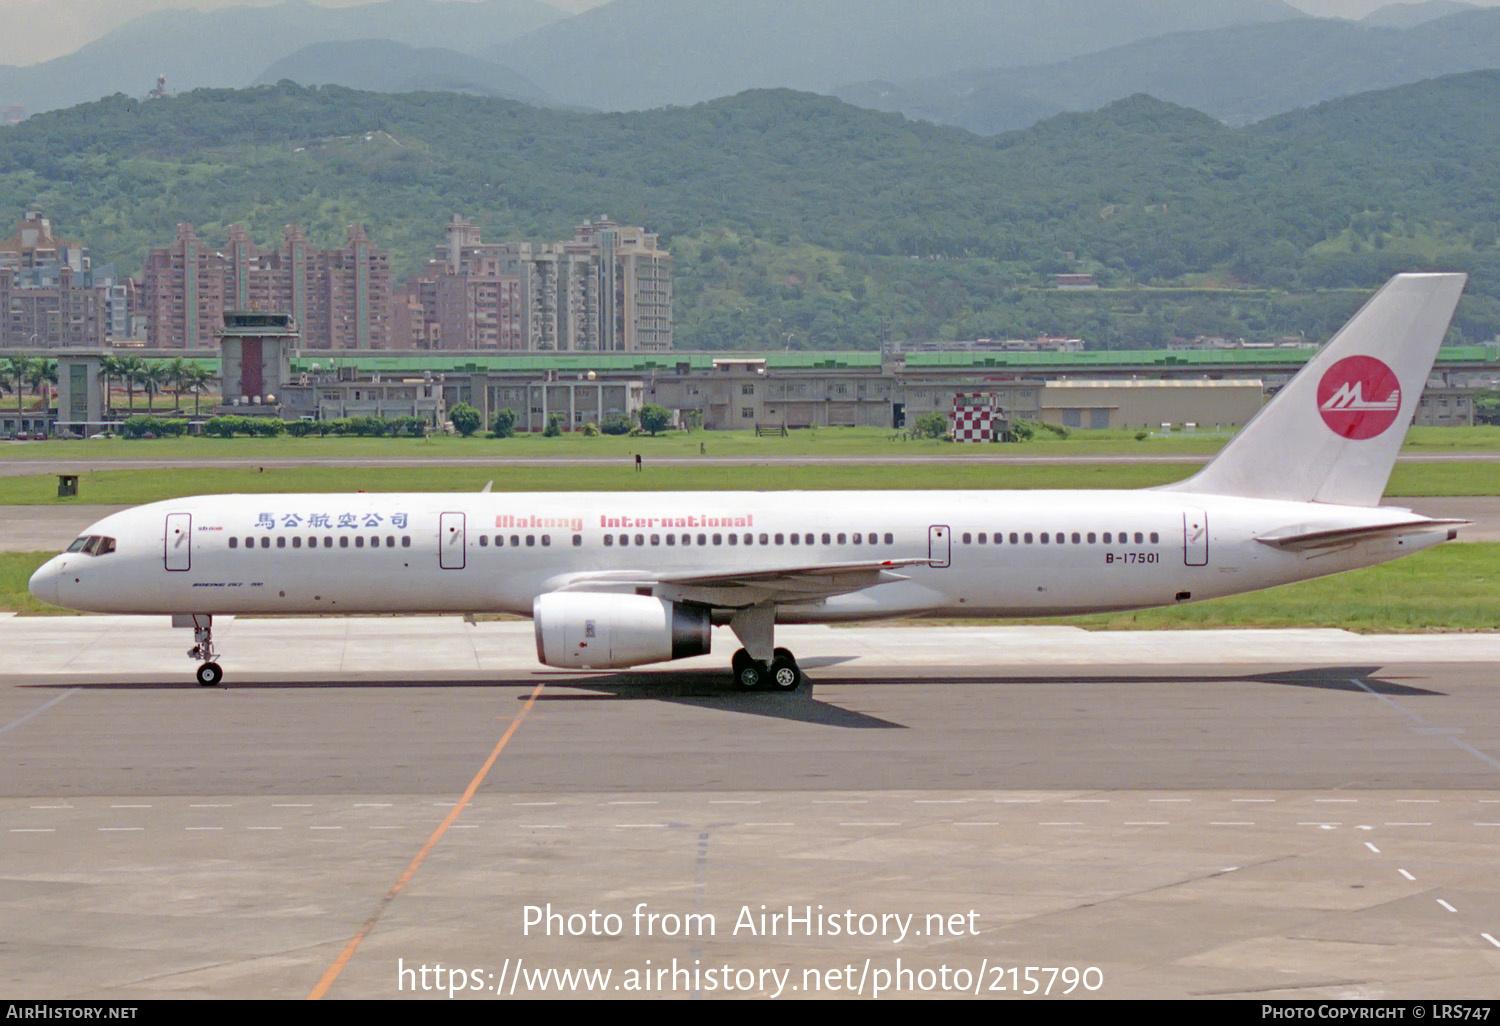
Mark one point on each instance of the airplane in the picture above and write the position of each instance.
(614, 580)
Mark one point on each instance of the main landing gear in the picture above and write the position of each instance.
(781, 674)
(210, 673)
(759, 666)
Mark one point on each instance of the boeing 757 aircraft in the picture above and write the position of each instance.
(620, 579)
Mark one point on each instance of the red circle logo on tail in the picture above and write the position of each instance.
(1359, 397)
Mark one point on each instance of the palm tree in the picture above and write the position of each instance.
(175, 374)
(199, 376)
(42, 373)
(110, 367)
(14, 373)
(131, 368)
(152, 377)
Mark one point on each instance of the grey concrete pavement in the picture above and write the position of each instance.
(1251, 814)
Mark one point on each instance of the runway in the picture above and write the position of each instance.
(52, 528)
(1264, 814)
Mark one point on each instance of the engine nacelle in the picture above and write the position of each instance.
(584, 630)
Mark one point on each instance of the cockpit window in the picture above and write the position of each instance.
(93, 545)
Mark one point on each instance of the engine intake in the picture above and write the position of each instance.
(584, 630)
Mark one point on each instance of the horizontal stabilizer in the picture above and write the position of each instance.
(1300, 539)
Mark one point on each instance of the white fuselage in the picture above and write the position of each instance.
(984, 553)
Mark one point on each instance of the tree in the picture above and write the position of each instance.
(198, 376)
(552, 430)
(655, 418)
(131, 369)
(39, 375)
(503, 424)
(13, 373)
(930, 425)
(466, 419)
(175, 374)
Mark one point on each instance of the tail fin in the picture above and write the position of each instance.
(1332, 434)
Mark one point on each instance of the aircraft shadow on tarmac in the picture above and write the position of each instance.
(713, 691)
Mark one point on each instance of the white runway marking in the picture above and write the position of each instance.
(37, 711)
(1447, 906)
(1406, 874)
(1372, 847)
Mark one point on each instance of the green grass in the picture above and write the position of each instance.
(871, 442)
(131, 487)
(1451, 588)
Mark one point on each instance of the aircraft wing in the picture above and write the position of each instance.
(1300, 539)
(739, 588)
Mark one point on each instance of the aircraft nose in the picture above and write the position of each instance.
(43, 583)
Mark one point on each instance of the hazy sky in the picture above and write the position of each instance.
(38, 30)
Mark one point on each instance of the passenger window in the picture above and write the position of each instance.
(359, 541)
(484, 541)
(1027, 537)
(1108, 538)
(1155, 537)
(344, 541)
(968, 538)
(749, 538)
(234, 543)
(687, 539)
(827, 538)
(1044, 537)
(547, 540)
(765, 539)
(265, 543)
(328, 542)
(1013, 537)
(1138, 538)
(1091, 537)
(808, 538)
(375, 540)
(780, 539)
(671, 539)
(734, 539)
(890, 539)
(703, 539)
(1076, 538)
(718, 540)
(609, 541)
(983, 537)
(406, 541)
(297, 542)
(624, 540)
(515, 541)
(843, 538)
(578, 540)
(640, 539)
(656, 539)
(795, 539)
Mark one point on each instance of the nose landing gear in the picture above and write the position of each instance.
(210, 673)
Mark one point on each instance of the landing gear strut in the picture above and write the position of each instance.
(753, 671)
(210, 673)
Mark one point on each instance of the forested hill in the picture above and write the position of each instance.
(796, 218)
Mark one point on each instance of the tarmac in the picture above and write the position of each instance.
(408, 807)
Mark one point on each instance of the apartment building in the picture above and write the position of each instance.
(340, 298)
(608, 289)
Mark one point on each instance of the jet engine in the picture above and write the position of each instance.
(587, 630)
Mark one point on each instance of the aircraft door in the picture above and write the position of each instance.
(451, 541)
(1195, 537)
(939, 546)
(179, 541)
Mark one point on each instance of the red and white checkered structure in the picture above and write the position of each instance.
(973, 416)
